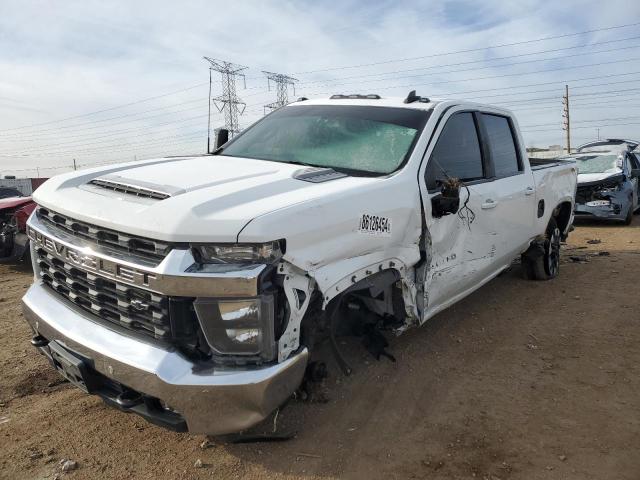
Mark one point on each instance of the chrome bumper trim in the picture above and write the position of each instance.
(212, 402)
(169, 277)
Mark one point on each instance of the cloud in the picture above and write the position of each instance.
(65, 59)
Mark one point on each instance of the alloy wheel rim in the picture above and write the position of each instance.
(554, 252)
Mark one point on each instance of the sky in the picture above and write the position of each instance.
(101, 82)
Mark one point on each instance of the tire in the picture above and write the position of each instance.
(542, 260)
(629, 218)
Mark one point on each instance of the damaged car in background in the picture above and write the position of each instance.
(608, 184)
(196, 291)
(14, 212)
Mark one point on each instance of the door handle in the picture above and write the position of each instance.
(489, 204)
(529, 191)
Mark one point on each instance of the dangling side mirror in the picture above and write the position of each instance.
(447, 201)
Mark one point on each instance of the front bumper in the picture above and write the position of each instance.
(212, 401)
(613, 211)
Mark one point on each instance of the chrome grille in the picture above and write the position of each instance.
(143, 247)
(116, 303)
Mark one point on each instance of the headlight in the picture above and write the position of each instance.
(242, 327)
(239, 253)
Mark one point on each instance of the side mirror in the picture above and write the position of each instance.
(446, 202)
(635, 172)
(222, 137)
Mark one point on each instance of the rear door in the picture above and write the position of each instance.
(514, 199)
(461, 246)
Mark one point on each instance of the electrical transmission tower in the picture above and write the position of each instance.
(228, 103)
(566, 120)
(282, 89)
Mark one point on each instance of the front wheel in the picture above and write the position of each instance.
(629, 218)
(542, 260)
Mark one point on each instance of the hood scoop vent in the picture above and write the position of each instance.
(318, 175)
(136, 187)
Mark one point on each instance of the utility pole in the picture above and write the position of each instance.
(209, 119)
(75, 167)
(566, 121)
(598, 133)
(228, 102)
(282, 89)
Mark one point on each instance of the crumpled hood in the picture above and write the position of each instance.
(595, 177)
(209, 198)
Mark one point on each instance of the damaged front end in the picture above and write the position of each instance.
(610, 198)
(14, 243)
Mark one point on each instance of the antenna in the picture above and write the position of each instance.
(282, 82)
(229, 102)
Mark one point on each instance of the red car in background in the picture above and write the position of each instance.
(14, 243)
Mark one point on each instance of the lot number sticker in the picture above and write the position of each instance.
(375, 225)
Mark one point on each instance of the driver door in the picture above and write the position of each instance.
(460, 246)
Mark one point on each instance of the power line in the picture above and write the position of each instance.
(110, 148)
(95, 135)
(106, 109)
(95, 122)
(529, 92)
(100, 139)
(609, 93)
(92, 164)
(428, 67)
(493, 77)
(330, 84)
(456, 52)
(95, 140)
(634, 117)
(587, 126)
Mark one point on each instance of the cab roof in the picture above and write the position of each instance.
(417, 103)
(367, 101)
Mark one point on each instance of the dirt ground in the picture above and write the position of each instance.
(521, 380)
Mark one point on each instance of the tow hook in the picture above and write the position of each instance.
(129, 399)
(39, 341)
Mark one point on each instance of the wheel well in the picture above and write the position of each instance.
(562, 214)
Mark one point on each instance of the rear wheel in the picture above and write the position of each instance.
(542, 260)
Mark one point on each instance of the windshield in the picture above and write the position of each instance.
(353, 138)
(597, 163)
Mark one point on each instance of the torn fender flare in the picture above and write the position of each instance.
(298, 287)
(330, 291)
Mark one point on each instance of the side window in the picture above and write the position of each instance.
(457, 152)
(502, 145)
(635, 160)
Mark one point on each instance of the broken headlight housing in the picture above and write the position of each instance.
(241, 328)
(237, 253)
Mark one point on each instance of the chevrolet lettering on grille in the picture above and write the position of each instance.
(101, 266)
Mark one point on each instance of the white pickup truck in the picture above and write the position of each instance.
(193, 290)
